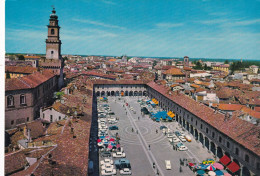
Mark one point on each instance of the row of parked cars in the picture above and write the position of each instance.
(176, 138)
(107, 121)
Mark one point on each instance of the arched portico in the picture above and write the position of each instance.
(219, 152)
(207, 143)
(126, 93)
(196, 134)
(144, 93)
(102, 93)
(98, 94)
(135, 93)
(117, 93)
(213, 148)
(131, 93)
(112, 93)
(108, 93)
(140, 93)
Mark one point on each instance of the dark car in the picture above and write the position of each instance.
(105, 154)
(162, 127)
(113, 128)
(145, 110)
(122, 163)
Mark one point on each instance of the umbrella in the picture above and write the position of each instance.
(227, 174)
(110, 146)
(102, 137)
(118, 146)
(224, 171)
(211, 167)
(211, 173)
(200, 172)
(202, 166)
(107, 137)
(112, 140)
(99, 140)
(218, 166)
(218, 172)
(191, 165)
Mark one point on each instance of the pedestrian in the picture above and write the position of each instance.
(137, 131)
(138, 118)
(180, 169)
(153, 165)
(132, 130)
(149, 147)
(156, 131)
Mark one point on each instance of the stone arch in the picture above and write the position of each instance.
(196, 134)
(201, 138)
(103, 93)
(131, 93)
(220, 152)
(213, 148)
(135, 93)
(207, 143)
(187, 126)
(108, 93)
(122, 93)
(117, 93)
(191, 130)
(245, 171)
(140, 93)
(126, 93)
(144, 93)
(112, 93)
(98, 93)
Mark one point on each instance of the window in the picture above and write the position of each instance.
(12, 122)
(207, 130)
(59, 117)
(247, 158)
(52, 52)
(201, 126)
(28, 119)
(228, 144)
(43, 115)
(237, 151)
(22, 99)
(52, 31)
(191, 119)
(213, 134)
(10, 100)
(220, 139)
(258, 166)
(51, 119)
(196, 122)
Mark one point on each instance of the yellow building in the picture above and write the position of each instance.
(224, 67)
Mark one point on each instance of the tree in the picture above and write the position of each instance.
(155, 63)
(59, 95)
(8, 75)
(20, 57)
(198, 66)
(226, 62)
(205, 67)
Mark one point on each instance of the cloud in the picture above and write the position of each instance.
(213, 21)
(230, 22)
(169, 25)
(218, 13)
(247, 22)
(97, 23)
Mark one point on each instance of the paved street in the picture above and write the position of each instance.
(136, 145)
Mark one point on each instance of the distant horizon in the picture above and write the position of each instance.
(158, 57)
(201, 29)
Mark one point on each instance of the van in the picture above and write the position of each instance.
(168, 164)
(90, 167)
(188, 138)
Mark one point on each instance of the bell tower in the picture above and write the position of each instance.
(53, 43)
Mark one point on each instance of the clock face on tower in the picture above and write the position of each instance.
(53, 43)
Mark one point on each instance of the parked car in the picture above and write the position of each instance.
(125, 171)
(119, 155)
(170, 135)
(105, 154)
(181, 147)
(182, 139)
(90, 167)
(113, 128)
(105, 161)
(175, 140)
(122, 163)
(108, 172)
(177, 133)
(162, 127)
(168, 164)
(107, 166)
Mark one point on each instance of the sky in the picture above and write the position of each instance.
(155, 28)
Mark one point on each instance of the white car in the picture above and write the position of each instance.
(119, 155)
(107, 166)
(125, 171)
(170, 135)
(105, 161)
(183, 148)
(182, 139)
(175, 140)
(168, 164)
(108, 172)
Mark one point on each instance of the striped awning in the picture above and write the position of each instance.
(155, 101)
(171, 114)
